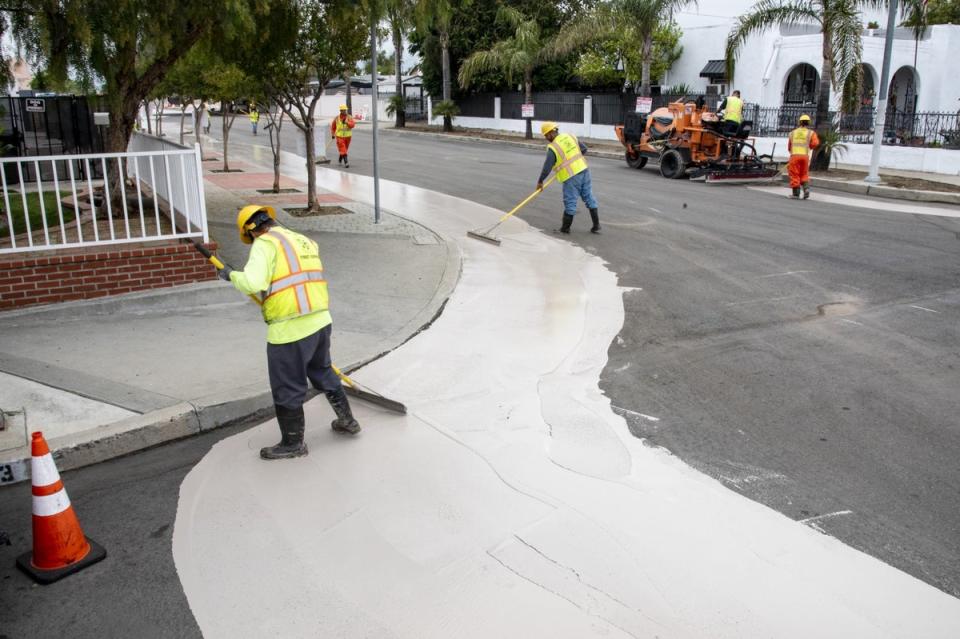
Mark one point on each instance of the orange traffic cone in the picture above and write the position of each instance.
(59, 547)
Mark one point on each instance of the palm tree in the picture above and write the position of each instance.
(399, 16)
(437, 15)
(644, 17)
(523, 52)
(841, 25)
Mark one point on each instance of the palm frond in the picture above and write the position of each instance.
(846, 35)
(764, 15)
(479, 62)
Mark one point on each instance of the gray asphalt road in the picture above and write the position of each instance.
(803, 353)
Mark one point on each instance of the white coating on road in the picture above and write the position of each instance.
(873, 203)
(512, 501)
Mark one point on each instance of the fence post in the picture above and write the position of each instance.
(429, 110)
(201, 197)
(496, 109)
(588, 115)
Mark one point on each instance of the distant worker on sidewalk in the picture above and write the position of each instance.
(254, 117)
(284, 271)
(342, 131)
(565, 156)
(801, 143)
(732, 108)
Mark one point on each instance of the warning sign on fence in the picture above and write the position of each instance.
(526, 110)
(644, 105)
(36, 105)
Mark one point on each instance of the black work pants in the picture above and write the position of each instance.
(292, 365)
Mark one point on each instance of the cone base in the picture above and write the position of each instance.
(97, 553)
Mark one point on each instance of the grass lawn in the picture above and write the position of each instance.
(33, 206)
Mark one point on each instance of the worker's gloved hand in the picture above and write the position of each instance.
(539, 186)
(224, 273)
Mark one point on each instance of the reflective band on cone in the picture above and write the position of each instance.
(59, 546)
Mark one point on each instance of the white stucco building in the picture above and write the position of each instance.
(782, 65)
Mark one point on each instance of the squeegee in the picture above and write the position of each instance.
(486, 236)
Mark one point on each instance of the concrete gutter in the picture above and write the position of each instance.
(860, 188)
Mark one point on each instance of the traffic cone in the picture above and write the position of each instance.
(59, 547)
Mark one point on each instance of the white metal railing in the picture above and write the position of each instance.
(142, 195)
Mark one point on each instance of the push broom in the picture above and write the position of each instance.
(486, 235)
(351, 386)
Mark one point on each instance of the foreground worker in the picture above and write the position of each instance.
(342, 131)
(285, 272)
(801, 143)
(565, 156)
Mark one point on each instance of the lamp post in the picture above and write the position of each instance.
(881, 119)
(375, 104)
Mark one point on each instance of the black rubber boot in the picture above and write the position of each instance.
(796, 193)
(567, 221)
(595, 216)
(340, 159)
(291, 431)
(346, 161)
(344, 423)
(806, 191)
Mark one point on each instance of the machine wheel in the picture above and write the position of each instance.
(672, 165)
(637, 162)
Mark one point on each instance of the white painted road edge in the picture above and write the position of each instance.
(512, 501)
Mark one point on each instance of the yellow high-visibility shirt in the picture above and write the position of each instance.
(256, 277)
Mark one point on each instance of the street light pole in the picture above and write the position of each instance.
(881, 119)
(375, 104)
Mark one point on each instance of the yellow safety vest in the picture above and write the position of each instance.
(569, 158)
(298, 286)
(800, 141)
(343, 128)
(734, 110)
(254, 116)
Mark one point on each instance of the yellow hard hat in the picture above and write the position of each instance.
(343, 107)
(547, 127)
(246, 223)
(804, 118)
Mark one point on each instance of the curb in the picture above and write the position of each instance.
(480, 140)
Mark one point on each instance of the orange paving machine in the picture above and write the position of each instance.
(688, 139)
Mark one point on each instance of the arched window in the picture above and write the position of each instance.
(801, 85)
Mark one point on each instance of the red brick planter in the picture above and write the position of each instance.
(61, 276)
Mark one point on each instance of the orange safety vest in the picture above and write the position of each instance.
(298, 286)
(800, 141)
(343, 127)
(569, 159)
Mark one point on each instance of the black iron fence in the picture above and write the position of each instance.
(900, 127)
(904, 128)
(48, 125)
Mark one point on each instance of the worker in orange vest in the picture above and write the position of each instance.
(342, 131)
(801, 143)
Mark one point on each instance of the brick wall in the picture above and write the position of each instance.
(61, 276)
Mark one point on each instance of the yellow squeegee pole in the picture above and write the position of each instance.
(528, 198)
(343, 378)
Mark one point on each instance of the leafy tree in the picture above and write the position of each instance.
(399, 14)
(317, 54)
(129, 45)
(924, 14)
(522, 53)
(841, 25)
(437, 15)
(615, 59)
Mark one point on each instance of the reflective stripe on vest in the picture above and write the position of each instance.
(298, 286)
(800, 141)
(734, 110)
(343, 128)
(569, 159)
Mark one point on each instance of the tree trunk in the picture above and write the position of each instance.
(645, 57)
(159, 113)
(347, 78)
(821, 159)
(401, 115)
(308, 131)
(445, 61)
(528, 98)
(225, 123)
(146, 112)
(198, 126)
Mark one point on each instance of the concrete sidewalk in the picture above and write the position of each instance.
(107, 377)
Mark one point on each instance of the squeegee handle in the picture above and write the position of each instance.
(528, 198)
(204, 251)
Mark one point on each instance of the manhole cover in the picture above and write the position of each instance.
(271, 191)
(320, 211)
